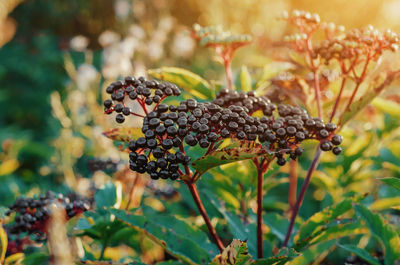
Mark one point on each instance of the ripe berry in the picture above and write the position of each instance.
(337, 150)
(120, 118)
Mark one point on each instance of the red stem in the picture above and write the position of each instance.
(228, 72)
(303, 190)
(195, 194)
(338, 99)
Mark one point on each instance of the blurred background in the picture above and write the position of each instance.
(56, 56)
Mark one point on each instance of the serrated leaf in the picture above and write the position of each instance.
(328, 214)
(178, 245)
(394, 182)
(239, 150)
(3, 244)
(362, 253)
(366, 99)
(190, 82)
(234, 254)
(284, 255)
(245, 79)
(386, 233)
(106, 197)
(238, 229)
(123, 134)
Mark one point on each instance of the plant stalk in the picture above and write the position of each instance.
(292, 184)
(196, 197)
(300, 198)
(228, 73)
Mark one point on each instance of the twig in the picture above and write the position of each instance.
(228, 72)
(132, 190)
(299, 200)
(292, 184)
(195, 194)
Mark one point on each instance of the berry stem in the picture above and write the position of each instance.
(359, 81)
(134, 182)
(228, 72)
(338, 99)
(300, 198)
(292, 184)
(196, 197)
(262, 167)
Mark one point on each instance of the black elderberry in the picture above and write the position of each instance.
(120, 118)
(160, 130)
(336, 150)
(133, 156)
(172, 131)
(168, 122)
(126, 111)
(167, 143)
(281, 161)
(158, 152)
(204, 143)
(118, 108)
(174, 176)
(162, 163)
(152, 143)
(326, 146)
(330, 127)
(148, 101)
(241, 135)
(298, 151)
(141, 142)
(323, 133)
(182, 132)
(108, 103)
(337, 139)
(190, 140)
(281, 132)
(133, 95)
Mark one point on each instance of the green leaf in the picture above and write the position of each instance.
(386, 233)
(328, 214)
(371, 93)
(313, 253)
(3, 244)
(245, 79)
(284, 255)
(277, 224)
(190, 82)
(106, 197)
(362, 253)
(236, 254)
(238, 229)
(123, 134)
(394, 182)
(237, 151)
(178, 245)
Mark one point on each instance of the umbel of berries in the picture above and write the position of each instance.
(168, 128)
(145, 92)
(32, 215)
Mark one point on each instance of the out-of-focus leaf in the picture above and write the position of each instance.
(170, 262)
(385, 203)
(36, 258)
(178, 245)
(123, 134)
(313, 253)
(106, 197)
(3, 244)
(284, 255)
(190, 82)
(8, 166)
(238, 229)
(366, 99)
(236, 254)
(362, 253)
(245, 79)
(388, 236)
(239, 150)
(387, 106)
(328, 214)
(14, 259)
(277, 224)
(272, 69)
(394, 182)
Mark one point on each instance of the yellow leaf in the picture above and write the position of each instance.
(387, 106)
(14, 259)
(8, 166)
(3, 244)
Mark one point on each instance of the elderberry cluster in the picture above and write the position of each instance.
(168, 127)
(145, 92)
(102, 165)
(32, 215)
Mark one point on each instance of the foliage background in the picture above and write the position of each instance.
(51, 91)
